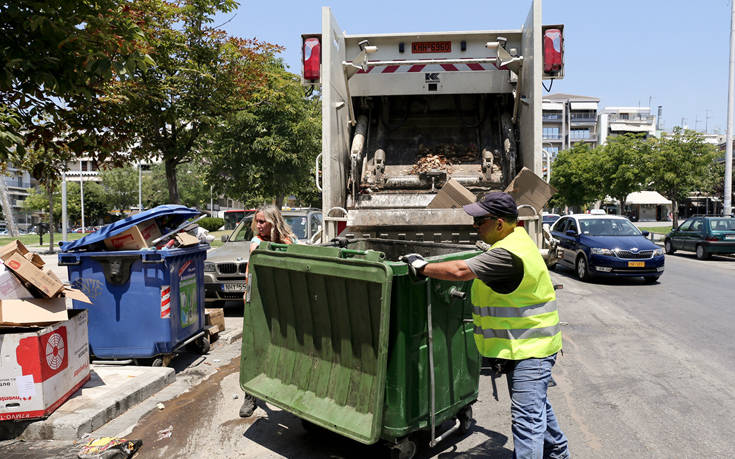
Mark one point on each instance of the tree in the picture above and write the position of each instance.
(677, 164)
(268, 151)
(121, 186)
(169, 110)
(621, 166)
(576, 177)
(96, 204)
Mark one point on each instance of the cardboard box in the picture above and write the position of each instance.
(35, 259)
(186, 239)
(15, 246)
(452, 196)
(34, 311)
(215, 317)
(42, 367)
(46, 284)
(528, 188)
(138, 237)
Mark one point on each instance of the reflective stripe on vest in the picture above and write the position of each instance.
(522, 333)
(524, 311)
(523, 323)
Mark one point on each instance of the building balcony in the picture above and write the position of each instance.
(551, 116)
(552, 137)
(631, 118)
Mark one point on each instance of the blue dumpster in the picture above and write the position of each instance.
(146, 304)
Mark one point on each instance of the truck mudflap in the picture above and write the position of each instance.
(315, 335)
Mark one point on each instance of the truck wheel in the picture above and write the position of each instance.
(465, 420)
(583, 273)
(702, 253)
(668, 247)
(405, 449)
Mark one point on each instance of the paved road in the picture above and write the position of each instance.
(647, 371)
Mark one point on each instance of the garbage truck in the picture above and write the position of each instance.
(340, 334)
(404, 113)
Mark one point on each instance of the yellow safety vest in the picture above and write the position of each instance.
(524, 323)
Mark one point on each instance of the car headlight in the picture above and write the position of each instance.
(599, 251)
(658, 251)
(208, 267)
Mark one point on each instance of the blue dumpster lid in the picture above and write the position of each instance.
(178, 214)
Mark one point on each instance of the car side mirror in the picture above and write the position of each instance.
(224, 237)
(645, 233)
(571, 233)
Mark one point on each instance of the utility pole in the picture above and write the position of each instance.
(140, 186)
(64, 218)
(81, 192)
(706, 121)
(727, 208)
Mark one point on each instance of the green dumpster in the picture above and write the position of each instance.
(340, 337)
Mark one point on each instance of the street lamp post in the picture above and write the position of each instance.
(727, 208)
(81, 191)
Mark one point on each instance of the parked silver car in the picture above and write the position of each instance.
(224, 269)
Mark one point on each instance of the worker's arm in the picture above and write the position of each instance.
(455, 270)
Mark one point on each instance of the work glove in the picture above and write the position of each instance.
(415, 263)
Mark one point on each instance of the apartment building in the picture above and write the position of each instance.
(568, 119)
(19, 183)
(616, 121)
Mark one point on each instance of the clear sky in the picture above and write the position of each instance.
(674, 53)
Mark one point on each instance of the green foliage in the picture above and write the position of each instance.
(621, 165)
(268, 151)
(678, 165)
(211, 223)
(575, 176)
(171, 109)
(96, 203)
(121, 187)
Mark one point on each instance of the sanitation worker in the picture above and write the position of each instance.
(515, 317)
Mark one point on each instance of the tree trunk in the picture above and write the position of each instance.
(7, 208)
(173, 187)
(51, 227)
(621, 200)
(674, 213)
(279, 201)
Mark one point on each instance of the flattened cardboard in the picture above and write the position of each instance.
(528, 188)
(29, 273)
(11, 247)
(75, 294)
(35, 259)
(10, 286)
(452, 196)
(138, 237)
(186, 239)
(29, 311)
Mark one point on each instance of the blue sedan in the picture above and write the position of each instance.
(607, 245)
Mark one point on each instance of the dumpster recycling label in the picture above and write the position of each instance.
(188, 300)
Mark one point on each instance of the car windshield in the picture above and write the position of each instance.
(243, 231)
(298, 225)
(608, 227)
(722, 224)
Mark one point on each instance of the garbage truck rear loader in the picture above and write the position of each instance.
(404, 113)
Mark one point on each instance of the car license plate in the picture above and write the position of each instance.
(730, 236)
(236, 287)
(636, 264)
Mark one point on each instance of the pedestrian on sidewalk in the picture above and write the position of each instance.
(516, 319)
(269, 226)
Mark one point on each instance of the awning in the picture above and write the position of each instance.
(552, 106)
(646, 197)
(630, 127)
(583, 105)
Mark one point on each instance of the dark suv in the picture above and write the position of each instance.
(224, 269)
(703, 235)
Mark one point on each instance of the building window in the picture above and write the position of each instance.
(579, 134)
(552, 150)
(551, 133)
(551, 116)
(623, 116)
(583, 115)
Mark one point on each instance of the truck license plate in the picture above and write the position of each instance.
(237, 287)
(636, 264)
(422, 47)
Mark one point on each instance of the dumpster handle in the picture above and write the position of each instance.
(152, 258)
(430, 327)
(277, 246)
(68, 260)
(344, 253)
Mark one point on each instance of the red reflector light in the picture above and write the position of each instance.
(312, 58)
(552, 51)
(711, 239)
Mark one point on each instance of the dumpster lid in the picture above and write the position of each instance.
(317, 340)
(177, 213)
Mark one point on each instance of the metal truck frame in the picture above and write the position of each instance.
(391, 102)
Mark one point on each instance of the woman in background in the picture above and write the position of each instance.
(268, 225)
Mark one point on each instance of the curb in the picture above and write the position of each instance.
(73, 423)
(231, 336)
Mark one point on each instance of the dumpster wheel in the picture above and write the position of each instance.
(465, 420)
(200, 345)
(404, 449)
